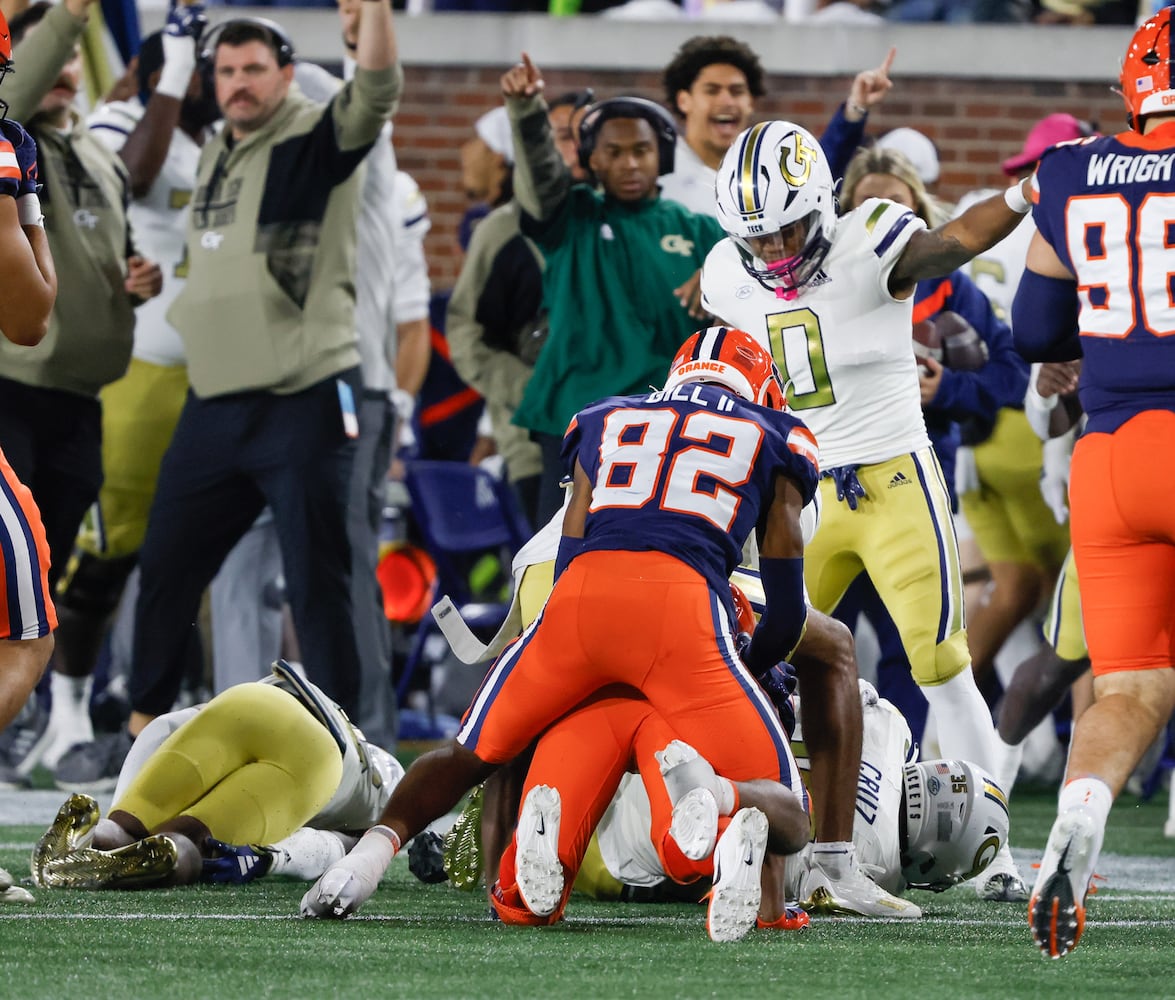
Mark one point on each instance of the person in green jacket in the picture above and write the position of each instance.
(620, 287)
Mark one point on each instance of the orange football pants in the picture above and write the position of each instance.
(1122, 497)
(584, 755)
(648, 621)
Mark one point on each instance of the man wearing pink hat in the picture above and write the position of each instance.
(1044, 134)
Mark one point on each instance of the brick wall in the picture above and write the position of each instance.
(976, 124)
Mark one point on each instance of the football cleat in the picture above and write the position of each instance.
(853, 895)
(463, 857)
(689, 780)
(1056, 911)
(147, 862)
(793, 919)
(235, 863)
(1000, 882)
(10, 893)
(539, 871)
(72, 828)
(738, 865)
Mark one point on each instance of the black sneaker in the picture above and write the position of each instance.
(93, 767)
(24, 741)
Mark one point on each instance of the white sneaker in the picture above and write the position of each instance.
(539, 870)
(1000, 881)
(853, 895)
(738, 865)
(1056, 912)
(690, 783)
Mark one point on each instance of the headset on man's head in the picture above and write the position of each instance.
(283, 43)
(658, 118)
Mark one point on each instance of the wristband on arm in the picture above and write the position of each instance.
(1044, 318)
(783, 623)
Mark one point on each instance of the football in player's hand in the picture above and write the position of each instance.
(927, 340)
(949, 338)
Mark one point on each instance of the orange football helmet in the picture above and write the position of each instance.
(5, 42)
(743, 609)
(731, 358)
(1148, 74)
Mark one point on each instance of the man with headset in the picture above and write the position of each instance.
(619, 259)
(267, 321)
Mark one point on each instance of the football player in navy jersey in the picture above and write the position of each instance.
(666, 489)
(1098, 284)
(27, 616)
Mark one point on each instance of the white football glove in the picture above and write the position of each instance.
(1054, 475)
(181, 37)
(966, 471)
(348, 884)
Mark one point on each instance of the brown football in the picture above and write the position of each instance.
(927, 340)
(962, 347)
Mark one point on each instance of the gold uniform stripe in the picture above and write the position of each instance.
(746, 180)
(875, 216)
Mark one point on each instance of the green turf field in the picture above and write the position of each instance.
(432, 941)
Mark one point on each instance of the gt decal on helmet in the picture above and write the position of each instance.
(775, 201)
(730, 358)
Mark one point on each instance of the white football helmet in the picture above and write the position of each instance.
(956, 820)
(775, 175)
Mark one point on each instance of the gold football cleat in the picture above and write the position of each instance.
(146, 862)
(72, 829)
(462, 852)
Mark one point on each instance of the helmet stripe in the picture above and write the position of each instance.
(749, 158)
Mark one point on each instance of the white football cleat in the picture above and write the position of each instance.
(10, 893)
(1056, 912)
(738, 866)
(852, 895)
(691, 784)
(538, 869)
(1000, 881)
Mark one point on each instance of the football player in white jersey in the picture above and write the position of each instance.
(265, 762)
(832, 300)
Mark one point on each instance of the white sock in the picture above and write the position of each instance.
(965, 730)
(69, 716)
(1091, 794)
(837, 858)
(307, 853)
(1009, 757)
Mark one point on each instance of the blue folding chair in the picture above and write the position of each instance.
(460, 510)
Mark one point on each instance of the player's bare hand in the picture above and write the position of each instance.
(689, 296)
(1058, 378)
(870, 86)
(929, 379)
(144, 278)
(523, 79)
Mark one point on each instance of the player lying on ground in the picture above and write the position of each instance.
(667, 488)
(697, 824)
(252, 766)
